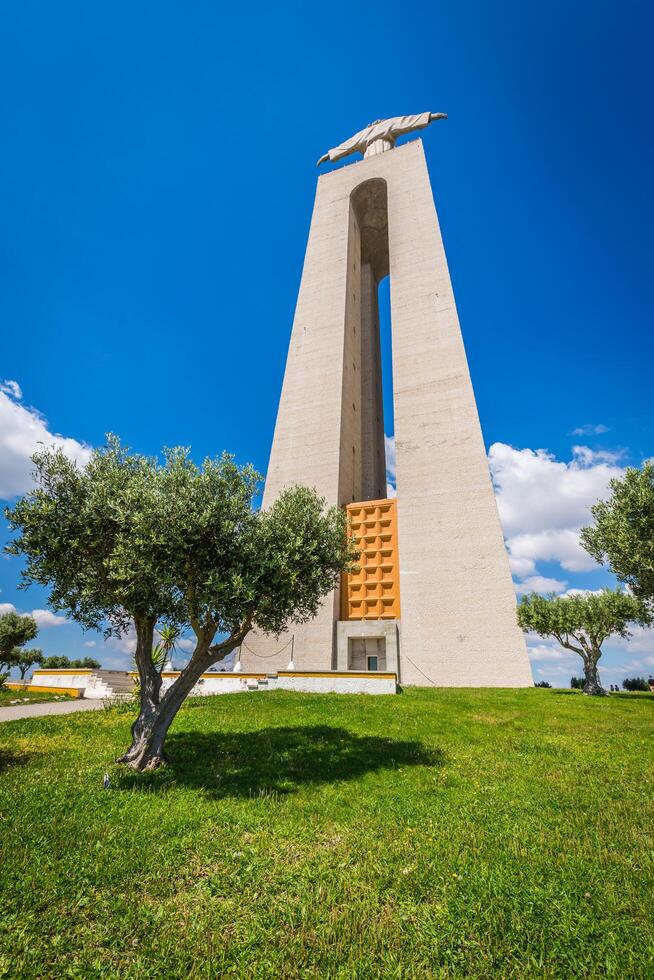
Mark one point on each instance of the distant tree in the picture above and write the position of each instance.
(623, 533)
(131, 540)
(542, 684)
(15, 630)
(577, 683)
(635, 684)
(64, 663)
(587, 619)
(26, 659)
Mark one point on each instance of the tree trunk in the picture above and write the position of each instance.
(150, 689)
(142, 733)
(156, 716)
(593, 684)
(151, 727)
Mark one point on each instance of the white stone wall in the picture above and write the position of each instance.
(336, 682)
(234, 683)
(47, 678)
(217, 683)
(333, 682)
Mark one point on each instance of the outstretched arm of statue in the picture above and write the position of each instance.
(323, 159)
(437, 115)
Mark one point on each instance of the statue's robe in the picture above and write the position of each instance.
(380, 136)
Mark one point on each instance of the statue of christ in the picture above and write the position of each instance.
(380, 136)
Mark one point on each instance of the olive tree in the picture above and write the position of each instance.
(582, 622)
(25, 659)
(623, 533)
(132, 542)
(15, 630)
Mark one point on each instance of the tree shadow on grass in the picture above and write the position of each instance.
(275, 761)
(10, 759)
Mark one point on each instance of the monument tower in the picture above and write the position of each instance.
(433, 598)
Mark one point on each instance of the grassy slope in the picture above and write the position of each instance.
(439, 833)
(7, 695)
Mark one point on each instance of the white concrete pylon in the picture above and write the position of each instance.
(458, 611)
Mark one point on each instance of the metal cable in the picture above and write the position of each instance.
(431, 681)
(266, 656)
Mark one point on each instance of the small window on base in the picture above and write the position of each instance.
(372, 663)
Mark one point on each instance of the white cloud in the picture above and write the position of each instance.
(543, 502)
(590, 430)
(11, 388)
(115, 652)
(42, 617)
(569, 592)
(585, 456)
(46, 619)
(633, 666)
(126, 643)
(537, 492)
(560, 545)
(539, 583)
(22, 430)
(391, 481)
(542, 651)
(522, 566)
(562, 670)
(641, 641)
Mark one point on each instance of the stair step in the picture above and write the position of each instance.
(118, 682)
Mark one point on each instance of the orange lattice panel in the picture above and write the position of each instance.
(373, 592)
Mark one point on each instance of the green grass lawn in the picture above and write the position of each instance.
(439, 833)
(7, 695)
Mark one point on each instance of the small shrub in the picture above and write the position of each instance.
(542, 684)
(577, 683)
(635, 684)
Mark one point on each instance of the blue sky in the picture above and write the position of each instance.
(157, 178)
